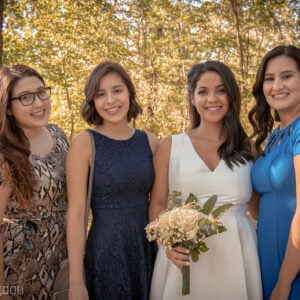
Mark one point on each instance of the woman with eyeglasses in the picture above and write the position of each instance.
(32, 186)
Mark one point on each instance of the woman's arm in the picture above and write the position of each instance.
(291, 262)
(5, 192)
(153, 141)
(78, 161)
(159, 197)
(160, 188)
(253, 203)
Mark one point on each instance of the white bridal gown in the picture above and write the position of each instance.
(230, 268)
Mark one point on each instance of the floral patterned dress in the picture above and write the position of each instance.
(34, 239)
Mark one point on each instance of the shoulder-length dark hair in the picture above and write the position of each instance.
(260, 116)
(236, 149)
(14, 146)
(88, 110)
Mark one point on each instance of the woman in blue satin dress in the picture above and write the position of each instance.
(276, 173)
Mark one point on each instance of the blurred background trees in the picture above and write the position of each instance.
(155, 40)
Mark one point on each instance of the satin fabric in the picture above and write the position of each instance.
(273, 176)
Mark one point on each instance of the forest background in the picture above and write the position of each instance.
(155, 40)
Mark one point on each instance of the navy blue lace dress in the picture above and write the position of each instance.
(119, 259)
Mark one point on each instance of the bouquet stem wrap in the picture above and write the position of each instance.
(185, 280)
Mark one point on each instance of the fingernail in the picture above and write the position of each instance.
(187, 251)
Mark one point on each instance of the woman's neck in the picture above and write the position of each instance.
(286, 118)
(33, 133)
(210, 131)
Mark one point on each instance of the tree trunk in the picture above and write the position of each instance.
(239, 43)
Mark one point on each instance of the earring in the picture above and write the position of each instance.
(9, 113)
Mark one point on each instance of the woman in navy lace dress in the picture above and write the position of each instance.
(118, 260)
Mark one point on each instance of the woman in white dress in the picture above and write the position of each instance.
(214, 157)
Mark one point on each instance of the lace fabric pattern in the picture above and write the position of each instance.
(119, 259)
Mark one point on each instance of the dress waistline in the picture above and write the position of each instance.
(236, 210)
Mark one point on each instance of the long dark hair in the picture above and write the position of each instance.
(14, 146)
(236, 149)
(88, 110)
(260, 116)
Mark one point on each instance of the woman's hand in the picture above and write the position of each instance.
(78, 292)
(179, 256)
(280, 292)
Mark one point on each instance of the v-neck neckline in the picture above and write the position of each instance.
(200, 158)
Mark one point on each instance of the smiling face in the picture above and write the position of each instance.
(210, 98)
(281, 86)
(112, 99)
(32, 116)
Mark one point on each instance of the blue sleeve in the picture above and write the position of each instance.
(296, 138)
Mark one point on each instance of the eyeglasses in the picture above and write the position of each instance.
(29, 98)
(29, 229)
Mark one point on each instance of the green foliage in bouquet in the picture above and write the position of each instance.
(208, 225)
(187, 226)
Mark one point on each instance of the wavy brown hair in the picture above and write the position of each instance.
(14, 146)
(236, 149)
(88, 110)
(261, 116)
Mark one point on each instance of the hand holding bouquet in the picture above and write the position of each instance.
(187, 226)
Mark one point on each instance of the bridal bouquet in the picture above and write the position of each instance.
(187, 226)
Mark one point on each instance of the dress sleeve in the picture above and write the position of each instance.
(296, 138)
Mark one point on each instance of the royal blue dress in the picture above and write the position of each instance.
(119, 259)
(273, 176)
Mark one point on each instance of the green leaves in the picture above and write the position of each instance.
(194, 252)
(156, 41)
(196, 249)
(218, 212)
(221, 229)
(207, 208)
(191, 198)
(174, 200)
(209, 205)
(187, 225)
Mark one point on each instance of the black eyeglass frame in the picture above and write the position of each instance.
(46, 88)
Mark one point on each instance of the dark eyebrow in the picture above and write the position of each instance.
(204, 87)
(115, 86)
(118, 85)
(285, 71)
